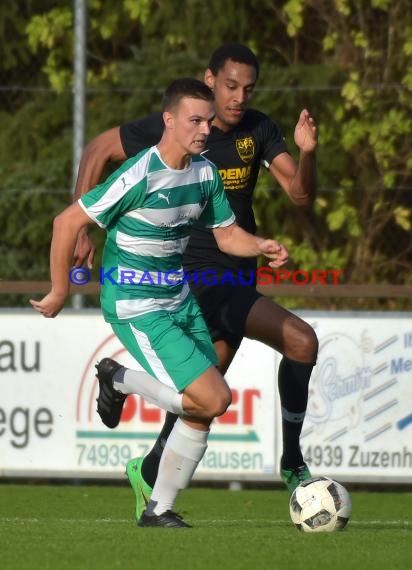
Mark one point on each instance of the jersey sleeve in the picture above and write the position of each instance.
(138, 135)
(217, 212)
(121, 192)
(273, 141)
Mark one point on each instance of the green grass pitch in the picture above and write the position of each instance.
(92, 528)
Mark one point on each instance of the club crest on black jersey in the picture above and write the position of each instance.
(246, 148)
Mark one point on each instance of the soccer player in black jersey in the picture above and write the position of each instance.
(240, 141)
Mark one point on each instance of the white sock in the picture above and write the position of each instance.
(184, 449)
(129, 381)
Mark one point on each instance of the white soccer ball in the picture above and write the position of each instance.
(320, 504)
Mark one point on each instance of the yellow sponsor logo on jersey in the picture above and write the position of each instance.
(235, 173)
(245, 148)
(235, 178)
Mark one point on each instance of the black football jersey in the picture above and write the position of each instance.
(238, 154)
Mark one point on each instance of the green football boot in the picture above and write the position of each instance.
(140, 488)
(295, 476)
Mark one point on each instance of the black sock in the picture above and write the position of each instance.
(150, 464)
(293, 384)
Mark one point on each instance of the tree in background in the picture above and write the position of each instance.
(346, 61)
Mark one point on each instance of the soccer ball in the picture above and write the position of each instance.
(320, 504)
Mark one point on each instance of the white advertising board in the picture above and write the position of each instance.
(358, 426)
(48, 422)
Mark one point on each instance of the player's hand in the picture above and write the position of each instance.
(276, 252)
(306, 132)
(50, 306)
(84, 250)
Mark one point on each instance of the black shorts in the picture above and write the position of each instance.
(225, 309)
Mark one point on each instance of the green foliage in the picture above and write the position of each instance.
(47, 29)
(293, 10)
(349, 63)
(371, 124)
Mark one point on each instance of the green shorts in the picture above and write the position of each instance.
(174, 347)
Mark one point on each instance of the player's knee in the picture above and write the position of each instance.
(302, 344)
(221, 402)
(309, 344)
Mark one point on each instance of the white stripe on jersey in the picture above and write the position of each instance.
(129, 308)
(154, 361)
(129, 276)
(169, 179)
(150, 247)
(226, 223)
(118, 189)
(166, 217)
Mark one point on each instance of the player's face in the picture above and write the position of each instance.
(233, 87)
(191, 124)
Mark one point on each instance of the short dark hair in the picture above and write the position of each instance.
(185, 87)
(236, 52)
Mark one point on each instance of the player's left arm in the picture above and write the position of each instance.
(299, 181)
(232, 239)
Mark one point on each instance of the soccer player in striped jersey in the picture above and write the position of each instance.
(241, 140)
(148, 207)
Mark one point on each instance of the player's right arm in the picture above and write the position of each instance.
(66, 227)
(106, 147)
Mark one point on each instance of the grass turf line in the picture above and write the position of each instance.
(87, 527)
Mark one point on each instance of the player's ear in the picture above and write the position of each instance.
(168, 120)
(209, 78)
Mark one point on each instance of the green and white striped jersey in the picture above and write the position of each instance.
(148, 210)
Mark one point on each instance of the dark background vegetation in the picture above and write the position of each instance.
(348, 62)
